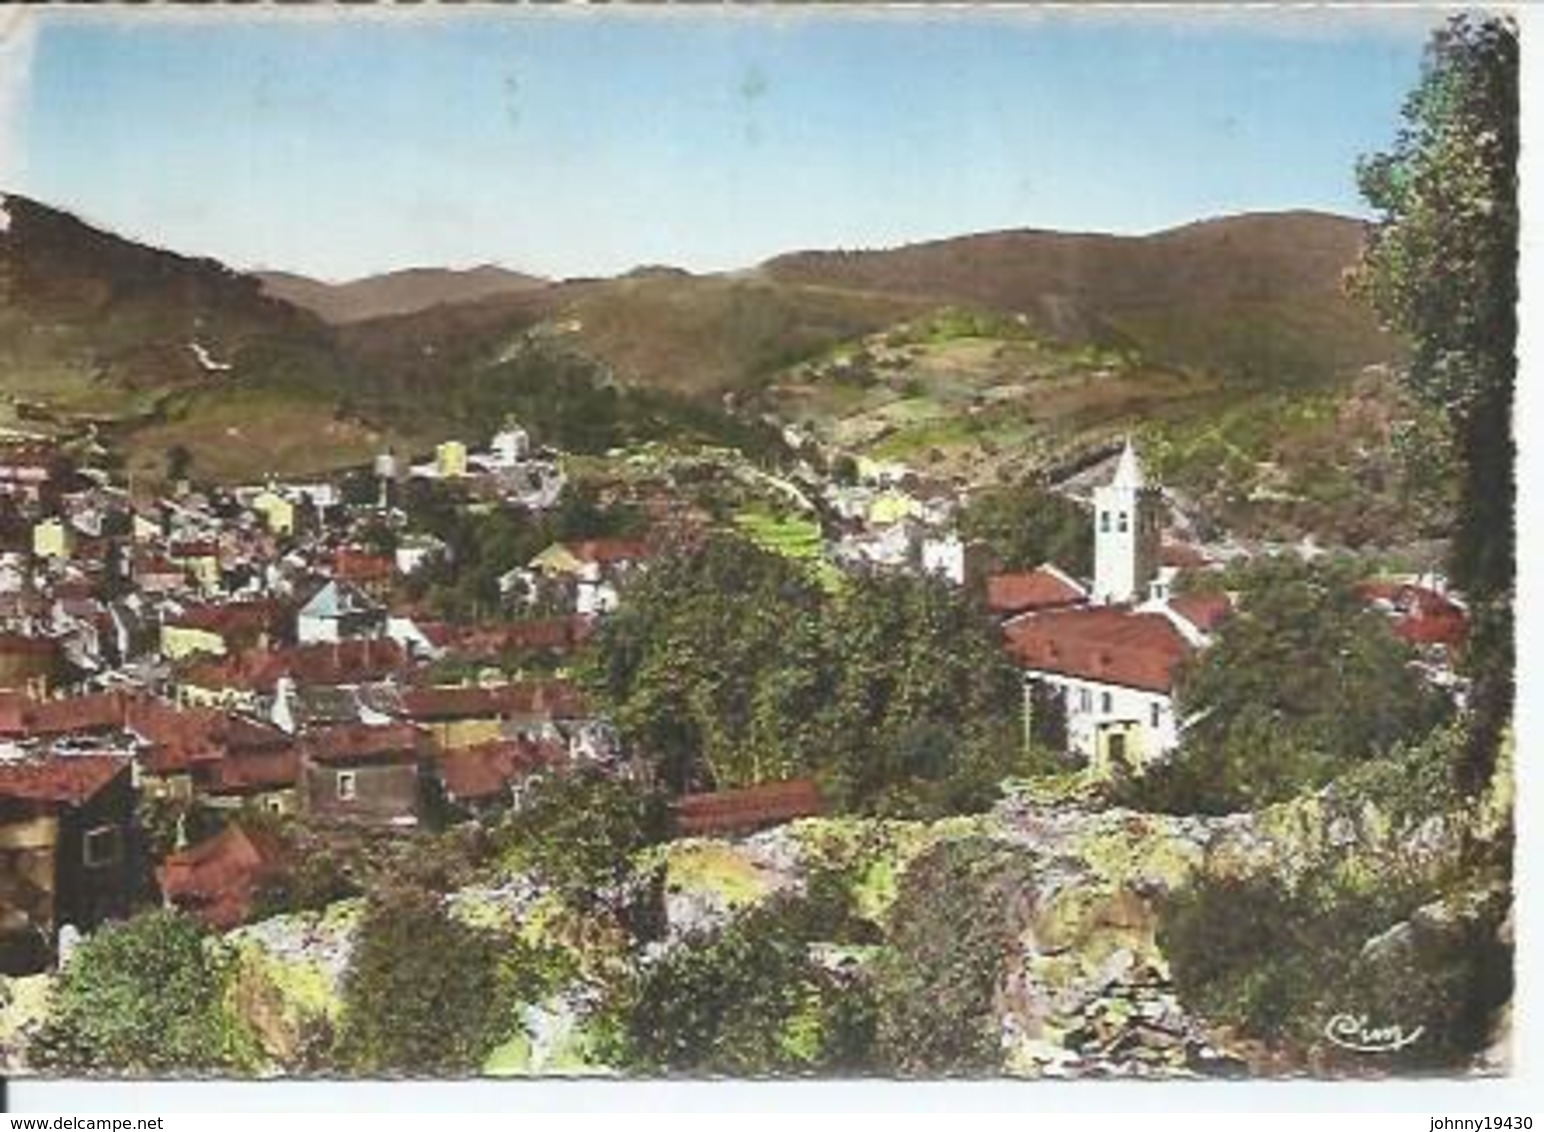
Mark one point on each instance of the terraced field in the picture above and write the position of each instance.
(792, 536)
(982, 403)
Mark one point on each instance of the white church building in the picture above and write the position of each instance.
(1113, 659)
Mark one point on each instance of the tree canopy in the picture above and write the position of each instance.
(423, 993)
(1025, 526)
(952, 931)
(729, 667)
(746, 998)
(1441, 267)
(1303, 683)
(580, 832)
(147, 995)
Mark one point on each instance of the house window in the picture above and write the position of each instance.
(102, 847)
(1123, 526)
(1104, 521)
(1106, 702)
(348, 786)
(1086, 700)
(1157, 711)
(273, 805)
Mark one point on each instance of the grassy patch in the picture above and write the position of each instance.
(511, 1059)
(249, 435)
(712, 867)
(792, 536)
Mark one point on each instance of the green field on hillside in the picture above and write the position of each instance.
(794, 537)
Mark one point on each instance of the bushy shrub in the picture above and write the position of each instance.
(746, 999)
(1303, 683)
(424, 994)
(1278, 962)
(145, 996)
(579, 832)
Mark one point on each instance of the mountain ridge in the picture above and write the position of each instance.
(98, 327)
(403, 291)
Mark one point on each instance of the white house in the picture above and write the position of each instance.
(944, 556)
(339, 611)
(1113, 670)
(509, 446)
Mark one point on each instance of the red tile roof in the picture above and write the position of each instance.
(489, 642)
(193, 548)
(244, 618)
(1108, 645)
(1181, 556)
(1422, 616)
(181, 738)
(20, 715)
(20, 644)
(1204, 611)
(557, 699)
(472, 774)
(218, 879)
(1038, 589)
(104, 711)
(605, 550)
(732, 811)
(246, 771)
(355, 565)
(345, 662)
(67, 779)
(14, 707)
(360, 742)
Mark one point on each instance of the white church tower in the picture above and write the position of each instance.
(1125, 534)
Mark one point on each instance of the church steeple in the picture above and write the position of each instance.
(1128, 470)
(1125, 533)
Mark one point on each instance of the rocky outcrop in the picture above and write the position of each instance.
(23, 1006)
(289, 976)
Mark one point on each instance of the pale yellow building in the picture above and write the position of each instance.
(202, 565)
(51, 538)
(179, 641)
(450, 459)
(278, 513)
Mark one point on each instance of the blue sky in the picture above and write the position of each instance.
(587, 142)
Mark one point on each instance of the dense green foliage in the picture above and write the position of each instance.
(747, 999)
(922, 715)
(327, 861)
(731, 666)
(423, 994)
(144, 996)
(571, 402)
(462, 584)
(701, 665)
(960, 907)
(1301, 684)
(1442, 267)
(1278, 961)
(1026, 526)
(578, 832)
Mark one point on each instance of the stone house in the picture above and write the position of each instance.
(366, 774)
(66, 850)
